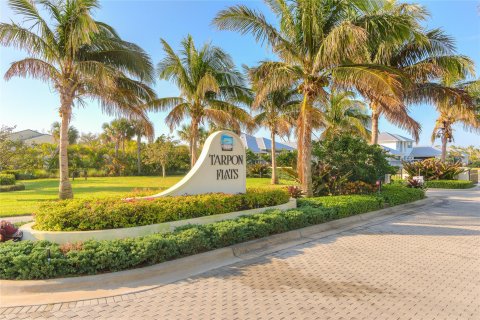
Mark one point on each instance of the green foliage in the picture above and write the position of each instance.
(14, 187)
(345, 206)
(111, 213)
(345, 159)
(396, 194)
(450, 184)
(258, 170)
(287, 158)
(7, 179)
(433, 169)
(28, 260)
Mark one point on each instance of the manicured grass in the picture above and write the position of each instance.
(38, 191)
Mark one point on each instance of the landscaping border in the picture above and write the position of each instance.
(62, 237)
(93, 289)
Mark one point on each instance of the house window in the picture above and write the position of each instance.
(409, 145)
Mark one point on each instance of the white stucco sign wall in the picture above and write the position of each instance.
(221, 167)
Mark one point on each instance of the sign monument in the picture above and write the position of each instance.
(221, 167)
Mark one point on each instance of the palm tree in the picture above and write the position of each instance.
(319, 43)
(81, 58)
(185, 134)
(275, 113)
(422, 57)
(73, 133)
(453, 111)
(142, 128)
(342, 114)
(210, 85)
(118, 131)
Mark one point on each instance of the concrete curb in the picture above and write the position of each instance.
(15, 293)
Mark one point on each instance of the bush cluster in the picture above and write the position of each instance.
(7, 179)
(395, 194)
(450, 184)
(111, 213)
(14, 187)
(43, 260)
(433, 169)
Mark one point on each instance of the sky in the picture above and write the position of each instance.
(32, 104)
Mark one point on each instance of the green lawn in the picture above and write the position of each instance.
(27, 202)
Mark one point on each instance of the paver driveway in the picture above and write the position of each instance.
(424, 265)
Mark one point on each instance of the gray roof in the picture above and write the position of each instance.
(262, 145)
(391, 137)
(424, 152)
(31, 136)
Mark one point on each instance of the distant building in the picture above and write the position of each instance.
(31, 137)
(402, 149)
(264, 145)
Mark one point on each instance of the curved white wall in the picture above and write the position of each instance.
(221, 167)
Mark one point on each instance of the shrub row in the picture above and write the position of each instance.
(43, 260)
(15, 187)
(112, 213)
(7, 179)
(450, 184)
(391, 195)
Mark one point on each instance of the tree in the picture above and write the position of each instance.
(319, 43)
(343, 114)
(160, 152)
(10, 150)
(452, 110)
(118, 131)
(211, 89)
(72, 133)
(421, 56)
(185, 134)
(81, 58)
(275, 113)
(142, 128)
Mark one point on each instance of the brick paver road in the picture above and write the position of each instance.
(416, 266)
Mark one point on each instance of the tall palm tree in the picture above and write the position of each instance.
(342, 114)
(211, 89)
(185, 134)
(118, 131)
(319, 43)
(81, 58)
(142, 128)
(453, 111)
(275, 112)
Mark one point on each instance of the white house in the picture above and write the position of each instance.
(31, 137)
(402, 149)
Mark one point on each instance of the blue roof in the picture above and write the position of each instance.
(424, 152)
(262, 145)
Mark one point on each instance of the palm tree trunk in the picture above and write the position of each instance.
(444, 148)
(274, 158)
(194, 141)
(65, 188)
(163, 170)
(375, 117)
(139, 153)
(117, 146)
(306, 154)
(299, 149)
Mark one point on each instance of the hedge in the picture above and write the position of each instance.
(43, 260)
(15, 187)
(395, 194)
(450, 184)
(7, 179)
(112, 213)
(345, 205)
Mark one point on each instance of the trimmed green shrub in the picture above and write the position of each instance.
(396, 194)
(7, 179)
(345, 206)
(112, 213)
(15, 187)
(43, 260)
(450, 184)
